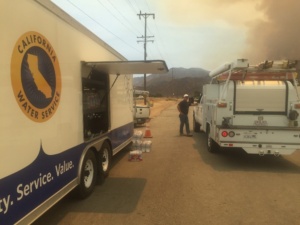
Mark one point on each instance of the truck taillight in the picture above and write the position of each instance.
(222, 104)
(224, 133)
(297, 106)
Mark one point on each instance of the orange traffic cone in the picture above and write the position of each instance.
(147, 132)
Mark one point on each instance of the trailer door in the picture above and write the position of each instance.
(98, 79)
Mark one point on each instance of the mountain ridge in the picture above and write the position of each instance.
(175, 83)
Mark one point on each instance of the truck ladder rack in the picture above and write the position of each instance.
(268, 70)
(281, 70)
(256, 74)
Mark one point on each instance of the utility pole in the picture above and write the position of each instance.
(145, 37)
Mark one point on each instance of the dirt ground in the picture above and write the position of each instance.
(180, 183)
(159, 104)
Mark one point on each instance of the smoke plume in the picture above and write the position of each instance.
(278, 36)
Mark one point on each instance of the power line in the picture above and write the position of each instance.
(125, 22)
(160, 40)
(102, 26)
(124, 18)
(147, 4)
(132, 6)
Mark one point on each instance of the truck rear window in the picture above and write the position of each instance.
(260, 97)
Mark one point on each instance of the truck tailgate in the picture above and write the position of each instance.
(255, 140)
(142, 111)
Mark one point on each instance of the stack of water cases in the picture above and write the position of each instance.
(139, 146)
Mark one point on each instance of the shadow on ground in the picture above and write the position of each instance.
(115, 195)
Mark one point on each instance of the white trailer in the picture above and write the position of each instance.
(251, 107)
(66, 101)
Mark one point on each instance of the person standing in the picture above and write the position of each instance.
(183, 108)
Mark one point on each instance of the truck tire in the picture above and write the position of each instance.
(106, 156)
(88, 175)
(212, 146)
(196, 125)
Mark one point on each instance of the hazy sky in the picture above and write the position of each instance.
(194, 33)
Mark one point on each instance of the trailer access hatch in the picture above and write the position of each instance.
(129, 67)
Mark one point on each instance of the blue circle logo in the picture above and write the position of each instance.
(35, 76)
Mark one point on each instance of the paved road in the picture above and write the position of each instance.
(179, 182)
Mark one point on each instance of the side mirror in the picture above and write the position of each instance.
(199, 99)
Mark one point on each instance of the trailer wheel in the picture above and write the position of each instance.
(196, 125)
(212, 146)
(88, 175)
(105, 158)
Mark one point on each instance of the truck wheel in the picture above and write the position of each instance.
(105, 154)
(212, 146)
(88, 175)
(196, 125)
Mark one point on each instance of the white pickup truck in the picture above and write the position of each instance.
(255, 108)
(141, 107)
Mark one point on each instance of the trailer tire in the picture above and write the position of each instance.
(88, 175)
(196, 125)
(212, 146)
(105, 158)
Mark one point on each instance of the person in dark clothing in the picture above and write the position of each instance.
(183, 108)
